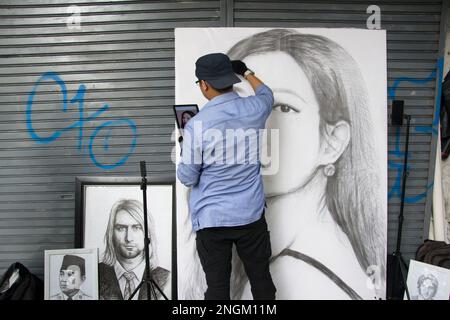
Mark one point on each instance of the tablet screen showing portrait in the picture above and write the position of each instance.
(183, 113)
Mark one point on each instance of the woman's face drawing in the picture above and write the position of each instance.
(185, 118)
(128, 236)
(296, 114)
(427, 289)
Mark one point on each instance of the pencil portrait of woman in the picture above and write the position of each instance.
(326, 211)
(185, 117)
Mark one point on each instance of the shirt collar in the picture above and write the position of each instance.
(225, 97)
(65, 296)
(138, 270)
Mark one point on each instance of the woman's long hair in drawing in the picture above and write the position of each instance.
(341, 93)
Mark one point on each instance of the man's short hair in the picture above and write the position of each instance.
(71, 260)
(224, 90)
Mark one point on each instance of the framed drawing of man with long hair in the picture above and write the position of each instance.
(110, 216)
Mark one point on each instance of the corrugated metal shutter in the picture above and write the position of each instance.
(124, 56)
(413, 33)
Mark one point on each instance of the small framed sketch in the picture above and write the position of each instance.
(428, 282)
(109, 215)
(71, 274)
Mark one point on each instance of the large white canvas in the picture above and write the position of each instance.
(290, 221)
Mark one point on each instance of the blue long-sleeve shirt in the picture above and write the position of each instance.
(220, 160)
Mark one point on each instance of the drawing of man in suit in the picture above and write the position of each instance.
(71, 276)
(123, 264)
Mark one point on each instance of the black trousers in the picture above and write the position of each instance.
(214, 246)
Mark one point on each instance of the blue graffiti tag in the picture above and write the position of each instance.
(79, 99)
(398, 164)
(435, 126)
(398, 167)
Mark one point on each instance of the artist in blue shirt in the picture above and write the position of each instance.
(220, 162)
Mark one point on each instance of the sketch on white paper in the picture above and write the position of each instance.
(327, 202)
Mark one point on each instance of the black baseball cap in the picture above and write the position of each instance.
(216, 69)
(72, 260)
